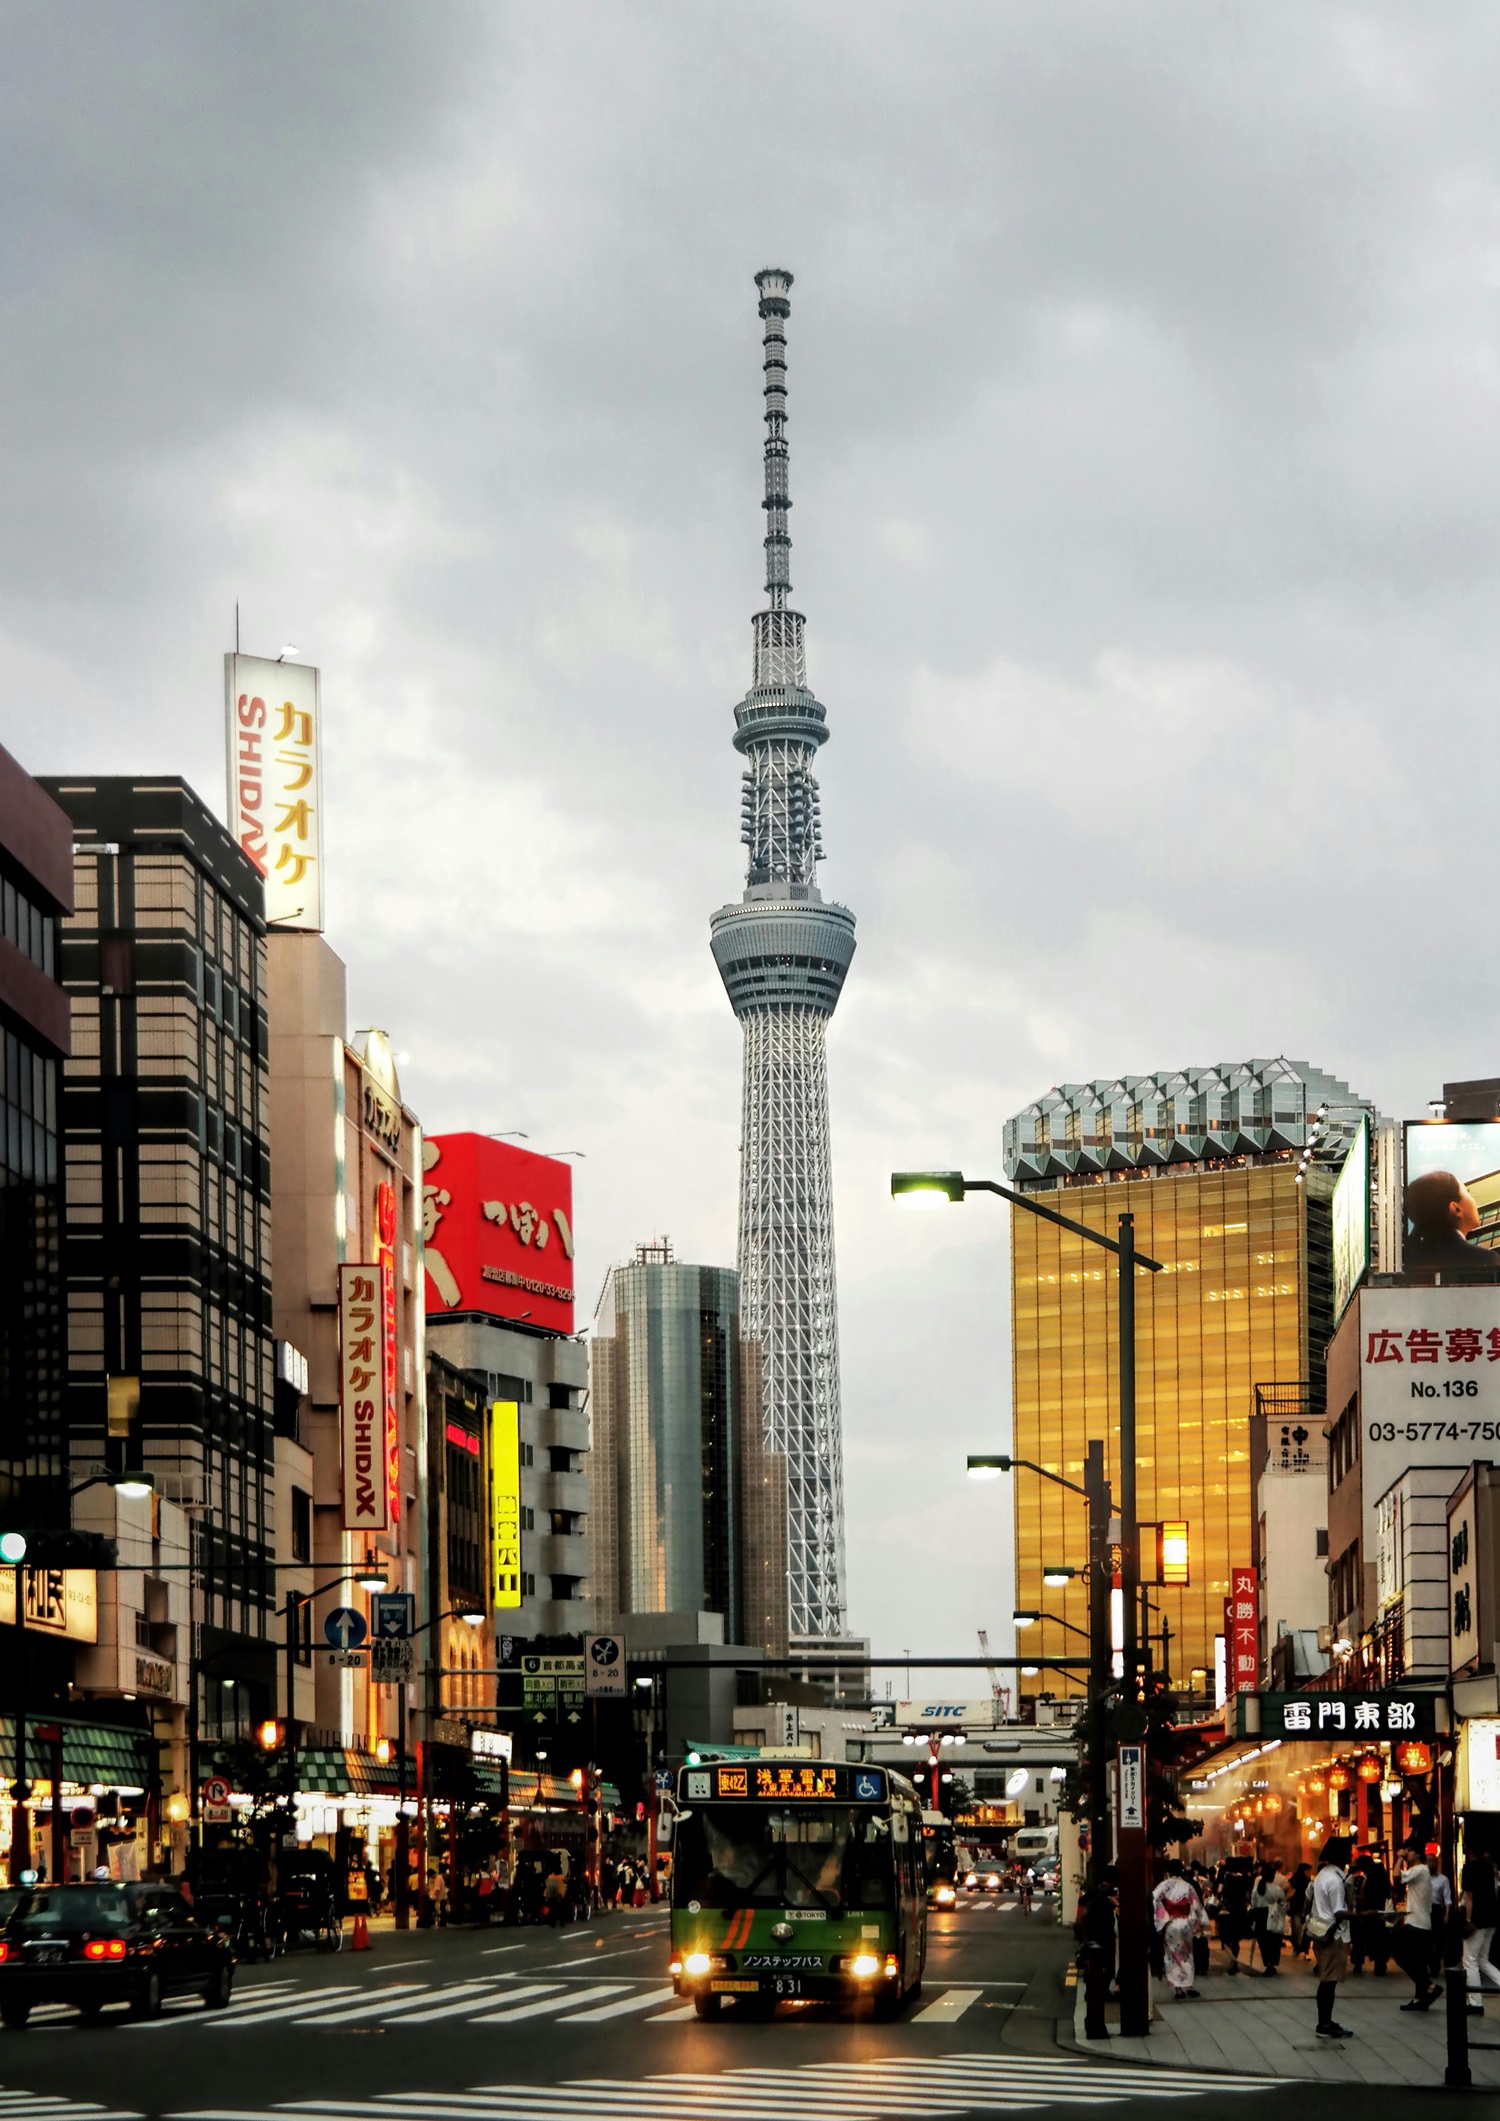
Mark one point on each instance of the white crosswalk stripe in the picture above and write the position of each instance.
(492, 1999)
(945, 2008)
(48, 2106)
(889, 2089)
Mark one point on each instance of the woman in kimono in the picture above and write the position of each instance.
(1179, 1919)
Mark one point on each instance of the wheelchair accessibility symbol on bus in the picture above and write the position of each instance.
(867, 1786)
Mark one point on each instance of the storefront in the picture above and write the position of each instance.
(93, 1800)
(1377, 1767)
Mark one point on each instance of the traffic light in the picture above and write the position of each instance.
(1173, 1551)
(270, 1734)
(55, 1547)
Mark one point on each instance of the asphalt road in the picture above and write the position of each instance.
(528, 2025)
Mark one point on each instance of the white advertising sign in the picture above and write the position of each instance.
(362, 1327)
(1429, 1369)
(275, 781)
(57, 1602)
(1132, 1785)
(1481, 1757)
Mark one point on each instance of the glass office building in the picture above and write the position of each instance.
(1228, 1174)
(689, 1503)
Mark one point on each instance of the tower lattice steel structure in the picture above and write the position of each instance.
(782, 953)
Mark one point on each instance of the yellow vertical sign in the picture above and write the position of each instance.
(505, 1504)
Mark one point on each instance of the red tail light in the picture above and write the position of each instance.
(104, 1948)
(4, 1953)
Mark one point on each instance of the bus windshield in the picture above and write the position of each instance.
(825, 1856)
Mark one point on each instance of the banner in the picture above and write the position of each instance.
(1244, 1612)
(275, 782)
(362, 1384)
(1351, 1221)
(385, 1255)
(56, 1602)
(505, 1504)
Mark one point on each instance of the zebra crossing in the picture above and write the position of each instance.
(492, 2000)
(42, 2106)
(842, 2091)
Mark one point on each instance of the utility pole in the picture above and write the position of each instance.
(1135, 1928)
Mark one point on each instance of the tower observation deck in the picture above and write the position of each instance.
(782, 952)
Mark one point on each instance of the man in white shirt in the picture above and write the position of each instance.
(1328, 1926)
(1414, 1938)
(1442, 1913)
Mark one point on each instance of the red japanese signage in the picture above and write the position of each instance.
(497, 1226)
(1243, 1613)
(385, 1254)
(362, 1372)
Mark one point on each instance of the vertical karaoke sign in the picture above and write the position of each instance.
(363, 1348)
(385, 1260)
(275, 737)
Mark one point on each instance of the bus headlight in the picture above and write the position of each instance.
(945, 1896)
(697, 1963)
(865, 1966)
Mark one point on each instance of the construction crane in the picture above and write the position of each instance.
(1000, 1693)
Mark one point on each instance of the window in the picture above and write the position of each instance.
(560, 1459)
(528, 1585)
(301, 1525)
(559, 1395)
(1321, 1536)
(528, 1518)
(528, 1455)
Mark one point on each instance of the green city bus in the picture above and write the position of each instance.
(797, 1880)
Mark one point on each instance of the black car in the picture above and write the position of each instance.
(107, 1943)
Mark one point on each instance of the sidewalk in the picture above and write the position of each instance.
(1247, 2025)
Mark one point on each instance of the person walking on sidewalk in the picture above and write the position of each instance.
(1413, 1940)
(1328, 1926)
(1179, 1920)
(1268, 1912)
(1234, 1910)
(1296, 1897)
(1442, 1914)
(1480, 1895)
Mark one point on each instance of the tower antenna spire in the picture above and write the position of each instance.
(782, 952)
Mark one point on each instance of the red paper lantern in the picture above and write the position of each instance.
(1413, 1757)
(1339, 1777)
(1371, 1768)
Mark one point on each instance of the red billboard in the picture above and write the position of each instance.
(1243, 1616)
(497, 1227)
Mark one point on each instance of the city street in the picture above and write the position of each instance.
(496, 2026)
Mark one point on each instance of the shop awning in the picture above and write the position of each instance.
(92, 1752)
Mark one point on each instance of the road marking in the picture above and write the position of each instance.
(945, 2008)
(390, 2005)
(865, 2091)
(314, 2003)
(493, 1951)
(50, 2106)
(527, 2010)
(618, 2010)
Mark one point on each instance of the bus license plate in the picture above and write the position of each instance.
(786, 1985)
(734, 1988)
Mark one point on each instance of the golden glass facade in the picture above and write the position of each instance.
(1228, 1312)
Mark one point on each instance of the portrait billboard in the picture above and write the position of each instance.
(505, 1504)
(1429, 1385)
(1351, 1221)
(497, 1228)
(1451, 1199)
(274, 717)
(363, 1326)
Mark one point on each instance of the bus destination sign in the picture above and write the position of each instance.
(786, 1781)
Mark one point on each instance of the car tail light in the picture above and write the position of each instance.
(4, 1953)
(104, 1948)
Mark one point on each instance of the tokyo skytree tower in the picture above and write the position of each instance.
(782, 953)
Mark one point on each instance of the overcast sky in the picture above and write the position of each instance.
(1145, 457)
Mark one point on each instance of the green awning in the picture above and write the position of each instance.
(92, 1752)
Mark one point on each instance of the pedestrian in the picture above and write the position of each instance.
(437, 1894)
(1179, 1919)
(1370, 1898)
(1297, 1891)
(609, 1883)
(1479, 1891)
(1268, 1912)
(1413, 1940)
(1234, 1910)
(1442, 1911)
(1328, 1926)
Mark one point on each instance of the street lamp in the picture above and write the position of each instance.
(370, 1575)
(936, 1189)
(1024, 1620)
(1057, 1578)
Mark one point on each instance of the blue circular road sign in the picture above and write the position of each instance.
(345, 1628)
